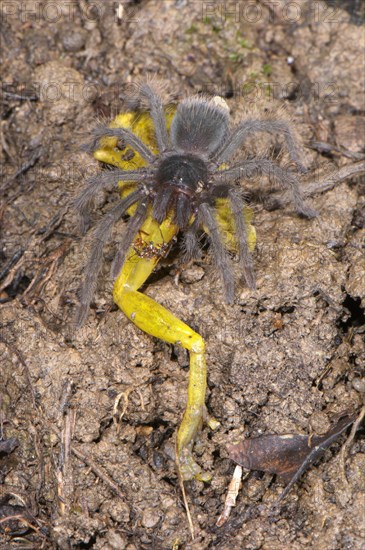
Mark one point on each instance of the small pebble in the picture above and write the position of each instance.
(150, 517)
(73, 41)
(192, 274)
(319, 423)
(116, 540)
(359, 384)
(119, 512)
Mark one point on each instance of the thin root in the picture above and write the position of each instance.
(125, 395)
(348, 442)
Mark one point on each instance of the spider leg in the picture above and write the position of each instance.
(237, 207)
(248, 127)
(157, 114)
(133, 226)
(285, 178)
(84, 200)
(123, 134)
(207, 218)
(102, 234)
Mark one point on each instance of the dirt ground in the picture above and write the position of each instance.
(285, 359)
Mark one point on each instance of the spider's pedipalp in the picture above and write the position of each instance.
(162, 203)
(133, 226)
(125, 136)
(102, 234)
(191, 242)
(182, 211)
(237, 207)
(260, 166)
(206, 215)
(199, 126)
(84, 200)
(245, 130)
(157, 115)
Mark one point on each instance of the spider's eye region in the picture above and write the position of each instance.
(185, 172)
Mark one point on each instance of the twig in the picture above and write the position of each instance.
(187, 509)
(65, 484)
(53, 224)
(98, 472)
(328, 182)
(19, 355)
(323, 147)
(233, 489)
(26, 517)
(24, 168)
(20, 517)
(41, 467)
(46, 272)
(349, 440)
(325, 183)
(13, 260)
(22, 97)
(183, 492)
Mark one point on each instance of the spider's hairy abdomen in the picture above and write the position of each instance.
(199, 126)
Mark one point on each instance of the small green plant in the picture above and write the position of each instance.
(245, 44)
(235, 56)
(267, 69)
(209, 21)
(192, 29)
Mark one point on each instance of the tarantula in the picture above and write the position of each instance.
(184, 179)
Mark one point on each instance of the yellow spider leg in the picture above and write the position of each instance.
(227, 228)
(157, 321)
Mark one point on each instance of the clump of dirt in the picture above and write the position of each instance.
(92, 415)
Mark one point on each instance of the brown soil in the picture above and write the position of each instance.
(285, 359)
